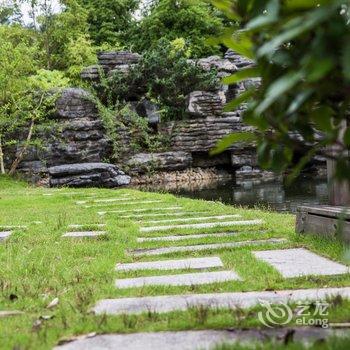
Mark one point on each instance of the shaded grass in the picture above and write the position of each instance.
(37, 265)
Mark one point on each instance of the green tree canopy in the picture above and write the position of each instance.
(171, 19)
(109, 20)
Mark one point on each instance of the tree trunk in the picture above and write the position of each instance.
(23, 150)
(2, 167)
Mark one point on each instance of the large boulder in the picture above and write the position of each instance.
(169, 161)
(215, 62)
(238, 60)
(87, 175)
(80, 136)
(91, 73)
(202, 104)
(201, 135)
(109, 63)
(146, 109)
(75, 103)
(110, 60)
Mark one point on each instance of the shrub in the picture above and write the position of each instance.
(165, 76)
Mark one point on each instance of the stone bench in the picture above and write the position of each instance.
(328, 221)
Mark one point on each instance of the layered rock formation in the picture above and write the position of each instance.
(77, 146)
(78, 136)
(169, 161)
(108, 62)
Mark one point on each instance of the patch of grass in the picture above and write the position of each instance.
(37, 265)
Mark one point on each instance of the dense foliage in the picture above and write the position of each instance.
(109, 20)
(302, 54)
(49, 46)
(194, 21)
(25, 89)
(163, 76)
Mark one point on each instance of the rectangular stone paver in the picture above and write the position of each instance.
(86, 225)
(197, 218)
(206, 225)
(61, 193)
(138, 210)
(123, 203)
(199, 247)
(84, 234)
(10, 313)
(200, 340)
(106, 200)
(12, 227)
(185, 237)
(300, 262)
(182, 264)
(4, 235)
(140, 216)
(187, 279)
(242, 300)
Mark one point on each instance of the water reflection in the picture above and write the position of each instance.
(274, 195)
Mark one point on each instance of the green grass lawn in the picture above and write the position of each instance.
(37, 265)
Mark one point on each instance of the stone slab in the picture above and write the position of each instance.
(186, 279)
(12, 227)
(182, 264)
(107, 200)
(84, 234)
(168, 303)
(123, 203)
(86, 225)
(206, 225)
(195, 340)
(300, 262)
(200, 247)
(185, 237)
(197, 218)
(4, 235)
(62, 193)
(138, 210)
(10, 313)
(140, 216)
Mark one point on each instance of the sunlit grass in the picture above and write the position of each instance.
(37, 265)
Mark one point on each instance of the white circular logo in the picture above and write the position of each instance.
(275, 315)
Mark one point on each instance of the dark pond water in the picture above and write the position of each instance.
(274, 195)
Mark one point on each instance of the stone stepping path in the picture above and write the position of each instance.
(168, 303)
(203, 218)
(140, 216)
(195, 340)
(186, 237)
(200, 247)
(188, 279)
(84, 234)
(182, 264)
(289, 262)
(206, 225)
(300, 262)
(4, 235)
(138, 210)
(86, 225)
